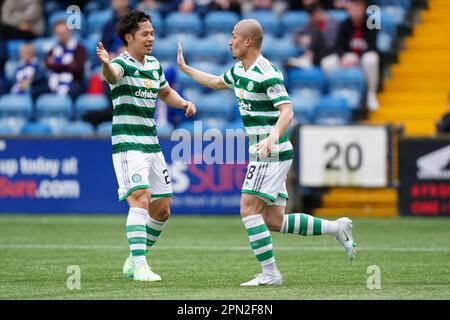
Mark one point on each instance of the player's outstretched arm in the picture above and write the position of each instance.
(205, 79)
(111, 74)
(173, 99)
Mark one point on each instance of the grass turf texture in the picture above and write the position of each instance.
(208, 257)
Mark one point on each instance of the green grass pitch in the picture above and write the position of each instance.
(206, 257)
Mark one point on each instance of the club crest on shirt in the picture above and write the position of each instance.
(250, 86)
(155, 75)
(147, 83)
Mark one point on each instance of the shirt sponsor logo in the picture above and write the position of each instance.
(245, 106)
(146, 94)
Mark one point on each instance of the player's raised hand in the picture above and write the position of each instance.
(190, 109)
(102, 54)
(180, 58)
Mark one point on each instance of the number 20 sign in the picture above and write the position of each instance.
(345, 156)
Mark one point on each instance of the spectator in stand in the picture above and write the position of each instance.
(317, 38)
(356, 45)
(66, 64)
(226, 5)
(27, 69)
(443, 125)
(256, 5)
(148, 5)
(110, 40)
(21, 19)
(303, 4)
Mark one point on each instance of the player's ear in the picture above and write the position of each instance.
(128, 37)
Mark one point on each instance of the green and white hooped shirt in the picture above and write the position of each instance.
(259, 91)
(133, 98)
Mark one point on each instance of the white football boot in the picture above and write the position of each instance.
(264, 279)
(144, 273)
(128, 268)
(345, 237)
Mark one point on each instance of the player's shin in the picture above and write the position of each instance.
(261, 242)
(136, 234)
(306, 225)
(153, 230)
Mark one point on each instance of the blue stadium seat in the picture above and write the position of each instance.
(166, 49)
(206, 50)
(188, 83)
(281, 50)
(11, 126)
(97, 20)
(268, 20)
(398, 13)
(333, 111)
(51, 105)
(10, 71)
(157, 21)
(78, 128)
(104, 129)
(220, 22)
(388, 24)
(217, 105)
(164, 130)
(293, 20)
(13, 48)
(57, 124)
(348, 83)
(384, 42)
(37, 129)
(90, 102)
(338, 15)
(16, 106)
(312, 79)
(387, 33)
(177, 22)
(303, 108)
(90, 44)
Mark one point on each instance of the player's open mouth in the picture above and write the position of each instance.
(149, 46)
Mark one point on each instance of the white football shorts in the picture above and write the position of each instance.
(139, 170)
(267, 181)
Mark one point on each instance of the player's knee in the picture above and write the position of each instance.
(163, 213)
(140, 198)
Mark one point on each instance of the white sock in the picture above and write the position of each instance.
(137, 236)
(261, 242)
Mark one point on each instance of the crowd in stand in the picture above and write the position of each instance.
(68, 68)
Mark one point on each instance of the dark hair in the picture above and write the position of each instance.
(313, 7)
(129, 23)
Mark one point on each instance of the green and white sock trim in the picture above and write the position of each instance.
(306, 225)
(136, 231)
(260, 239)
(153, 229)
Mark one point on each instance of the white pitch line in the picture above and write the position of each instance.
(208, 248)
